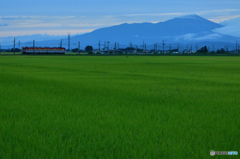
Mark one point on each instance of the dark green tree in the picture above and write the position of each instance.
(16, 50)
(88, 48)
(75, 50)
(203, 50)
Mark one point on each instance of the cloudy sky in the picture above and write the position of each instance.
(58, 17)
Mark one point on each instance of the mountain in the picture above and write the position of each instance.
(151, 33)
(185, 30)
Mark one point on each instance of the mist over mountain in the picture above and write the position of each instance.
(185, 30)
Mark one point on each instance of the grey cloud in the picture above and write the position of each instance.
(3, 25)
(14, 18)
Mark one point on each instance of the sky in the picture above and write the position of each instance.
(60, 17)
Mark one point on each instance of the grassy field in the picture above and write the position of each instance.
(118, 106)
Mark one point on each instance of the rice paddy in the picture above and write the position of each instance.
(118, 106)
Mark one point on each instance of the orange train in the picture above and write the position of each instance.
(43, 50)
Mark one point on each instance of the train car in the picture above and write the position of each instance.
(43, 50)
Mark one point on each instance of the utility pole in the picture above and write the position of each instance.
(106, 45)
(19, 44)
(115, 46)
(236, 47)
(79, 47)
(68, 41)
(145, 47)
(163, 45)
(14, 45)
(33, 46)
(61, 43)
(99, 46)
(131, 47)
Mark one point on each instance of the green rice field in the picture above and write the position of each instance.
(118, 106)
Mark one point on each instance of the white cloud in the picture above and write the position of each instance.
(218, 11)
(37, 25)
(14, 17)
(222, 19)
(209, 37)
(212, 15)
(231, 27)
(68, 17)
(154, 14)
(44, 31)
(198, 38)
(185, 37)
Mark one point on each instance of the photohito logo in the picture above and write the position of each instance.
(212, 153)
